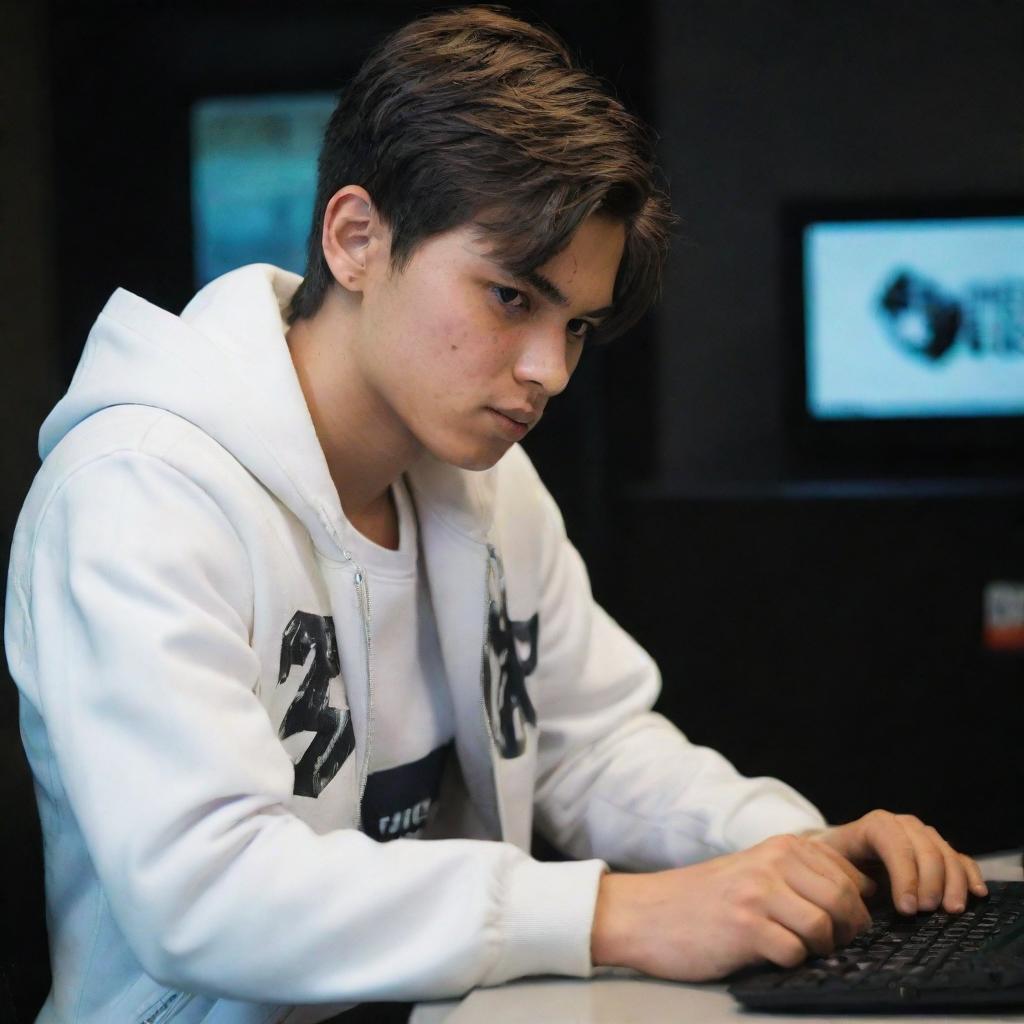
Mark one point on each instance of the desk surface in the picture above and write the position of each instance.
(629, 999)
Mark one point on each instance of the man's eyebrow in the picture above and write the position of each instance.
(551, 292)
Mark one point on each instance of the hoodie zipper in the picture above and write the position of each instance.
(495, 570)
(363, 595)
(493, 565)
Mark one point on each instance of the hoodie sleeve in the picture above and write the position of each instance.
(139, 599)
(616, 780)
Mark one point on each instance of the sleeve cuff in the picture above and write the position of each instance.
(547, 919)
(771, 816)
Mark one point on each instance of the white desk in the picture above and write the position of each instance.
(634, 1000)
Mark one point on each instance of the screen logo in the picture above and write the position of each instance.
(928, 323)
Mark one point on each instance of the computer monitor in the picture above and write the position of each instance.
(253, 167)
(907, 333)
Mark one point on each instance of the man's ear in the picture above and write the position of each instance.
(352, 236)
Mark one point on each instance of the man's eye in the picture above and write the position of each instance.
(581, 329)
(509, 296)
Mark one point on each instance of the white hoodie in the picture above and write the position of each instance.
(180, 572)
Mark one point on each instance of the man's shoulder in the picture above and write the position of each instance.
(113, 450)
(131, 429)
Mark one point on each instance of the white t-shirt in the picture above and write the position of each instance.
(413, 721)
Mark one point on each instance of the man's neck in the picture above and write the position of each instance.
(366, 447)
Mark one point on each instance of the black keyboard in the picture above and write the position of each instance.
(928, 961)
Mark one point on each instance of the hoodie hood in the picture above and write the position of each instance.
(224, 365)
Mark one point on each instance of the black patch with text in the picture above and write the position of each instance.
(398, 801)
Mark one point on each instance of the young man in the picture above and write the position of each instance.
(286, 602)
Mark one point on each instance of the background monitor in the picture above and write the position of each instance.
(909, 331)
(253, 167)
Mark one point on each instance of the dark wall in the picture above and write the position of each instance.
(760, 102)
(837, 641)
(28, 384)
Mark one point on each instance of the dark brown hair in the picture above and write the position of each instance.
(473, 115)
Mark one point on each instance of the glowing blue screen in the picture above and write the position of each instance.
(914, 318)
(254, 179)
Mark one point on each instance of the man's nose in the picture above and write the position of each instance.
(545, 360)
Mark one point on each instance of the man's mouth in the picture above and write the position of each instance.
(525, 417)
(514, 423)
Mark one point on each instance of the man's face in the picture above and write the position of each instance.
(465, 356)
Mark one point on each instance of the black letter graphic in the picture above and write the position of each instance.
(310, 712)
(507, 701)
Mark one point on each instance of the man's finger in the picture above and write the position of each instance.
(828, 888)
(896, 851)
(931, 864)
(976, 881)
(812, 924)
(954, 899)
(866, 886)
(779, 945)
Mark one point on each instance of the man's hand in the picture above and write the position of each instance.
(924, 870)
(777, 901)
(781, 900)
